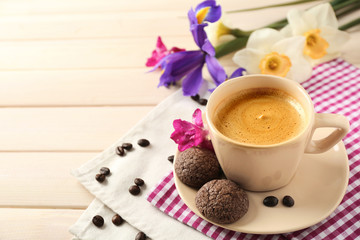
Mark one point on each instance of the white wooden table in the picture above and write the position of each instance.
(72, 81)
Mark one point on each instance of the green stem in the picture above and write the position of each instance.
(230, 46)
(278, 25)
(239, 33)
(271, 6)
(348, 10)
(343, 4)
(350, 24)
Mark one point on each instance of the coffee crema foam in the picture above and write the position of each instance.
(261, 116)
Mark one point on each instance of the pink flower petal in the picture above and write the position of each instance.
(197, 118)
(188, 135)
(160, 46)
(160, 52)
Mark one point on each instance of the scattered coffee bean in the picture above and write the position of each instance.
(288, 201)
(171, 158)
(140, 236)
(105, 171)
(134, 190)
(98, 221)
(270, 201)
(195, 97)
(127, 146)
(117, 220)
(202, 101)
(139, 182)
(120, 151)
(100, 177)
(143, 142)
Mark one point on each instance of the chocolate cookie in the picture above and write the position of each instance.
(196, 166)
(222, 201)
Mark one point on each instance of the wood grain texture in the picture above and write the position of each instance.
(20, 224)
(73, 81)
(33, 179)
(65, 129)
(81, 54)
(98, 87)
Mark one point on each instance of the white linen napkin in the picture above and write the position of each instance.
(149, 163)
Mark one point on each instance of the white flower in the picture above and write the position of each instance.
(319, 26)
(219, 31)
(269, 52)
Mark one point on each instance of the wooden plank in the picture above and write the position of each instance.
(82, 26)
(34, 224)
(110, 87)
(83, 54)
(104, 53)
(65, 129)
(42, 180)
(23, 7)
(115, 24)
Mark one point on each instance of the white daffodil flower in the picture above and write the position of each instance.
(269, 52)
(219, 31)
(319, 27)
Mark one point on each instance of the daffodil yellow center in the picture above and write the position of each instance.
(275, 64)
(200, 15)
(315, 45)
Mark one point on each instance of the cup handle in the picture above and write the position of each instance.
(328, 120)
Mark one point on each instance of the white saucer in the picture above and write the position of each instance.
(317, 188)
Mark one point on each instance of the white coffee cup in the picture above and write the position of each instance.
(268, 167)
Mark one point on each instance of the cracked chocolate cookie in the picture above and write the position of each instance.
(222, 201)
(196, 166)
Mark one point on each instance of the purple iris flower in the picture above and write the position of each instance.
(188, 65)
(208, 11)
(238, 73)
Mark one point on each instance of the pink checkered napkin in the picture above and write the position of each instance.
(334, 88)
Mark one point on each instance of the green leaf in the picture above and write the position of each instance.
(350, 24)
(231, 46)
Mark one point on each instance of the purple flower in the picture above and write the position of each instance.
(208, 11)
(188, 135)
(188, 65)
(160, 52)
(238, 73)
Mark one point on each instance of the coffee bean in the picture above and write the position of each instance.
(117, 220)
(127, 146)
(139, 182)
(134, 190)
(171, 158)
(140, 236)
(105, 171)
(202, 101)
(120, 151)
(100, 177)
(270, 201)
(195, 97)
(98, 221)
(143, 142)
(288, 201)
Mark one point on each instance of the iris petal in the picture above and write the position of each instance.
(238, 73)
(216, 71)
(213, 13)
(208, 48)
(192, 82)
(179, 64)
(189, 61)
(199, 34)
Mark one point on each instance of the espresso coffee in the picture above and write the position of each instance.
(261, 116)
